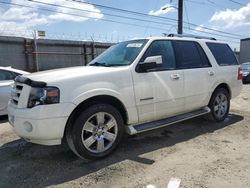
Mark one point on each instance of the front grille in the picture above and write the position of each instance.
(16, 92)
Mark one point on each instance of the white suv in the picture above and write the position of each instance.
(134, 86)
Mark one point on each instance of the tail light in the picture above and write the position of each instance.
(240, 73)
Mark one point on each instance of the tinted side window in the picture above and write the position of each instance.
(6, 75)
(222, 53)
(189, 55)
(205, 61)
(163, 48)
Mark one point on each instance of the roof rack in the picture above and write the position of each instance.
(190, 36)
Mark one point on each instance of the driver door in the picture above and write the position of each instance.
(159, 91)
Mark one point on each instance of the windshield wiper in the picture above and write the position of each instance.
(99, 64)
(114, 65)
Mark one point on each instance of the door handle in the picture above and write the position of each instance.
(211, 73)
(175, 76)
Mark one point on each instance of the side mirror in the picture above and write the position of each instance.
(150, 62)
(154, 59)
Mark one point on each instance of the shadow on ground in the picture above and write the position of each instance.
(30, 165)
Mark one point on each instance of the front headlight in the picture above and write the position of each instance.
(43, 96)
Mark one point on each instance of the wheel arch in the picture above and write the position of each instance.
(105, 99)
(226, 87)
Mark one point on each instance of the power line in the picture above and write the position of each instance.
(107, 14)
(237, 42)
(135, 18)
(121, 10)
(148, 24)
(207, 3)
(210, 1)
(197, 2)
(236, 2)
(163, 23)
(186, 13)
(146, 20)
(77, 15)
(49, 10)
(215, 4)
(157, 17)
(202, 31)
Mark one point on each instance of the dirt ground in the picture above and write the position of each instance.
(199, 152)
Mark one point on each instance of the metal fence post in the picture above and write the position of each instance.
(85, 54)
(36, 52)
(26, 54)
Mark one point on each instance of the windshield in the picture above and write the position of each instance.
(121, 54)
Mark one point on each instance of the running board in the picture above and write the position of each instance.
(135, 129)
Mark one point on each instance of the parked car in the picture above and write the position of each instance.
(7, 76)
(132, 87)
(246, 72)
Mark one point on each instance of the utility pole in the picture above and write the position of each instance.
(180, 16)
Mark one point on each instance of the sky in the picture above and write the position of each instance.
(68, 19)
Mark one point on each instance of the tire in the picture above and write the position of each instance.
(219, 104)
(96, 132)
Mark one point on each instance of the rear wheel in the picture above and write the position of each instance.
(220, 104)
(96, 132)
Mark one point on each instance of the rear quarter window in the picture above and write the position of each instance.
(222, 53)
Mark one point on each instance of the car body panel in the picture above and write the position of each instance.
(5, 89)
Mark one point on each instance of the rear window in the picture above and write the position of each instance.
(222, 53)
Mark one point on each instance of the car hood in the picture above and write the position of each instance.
(55, 75)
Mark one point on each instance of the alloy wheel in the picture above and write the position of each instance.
(220, 105)
(99, 132)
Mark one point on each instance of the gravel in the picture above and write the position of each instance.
(200, 152)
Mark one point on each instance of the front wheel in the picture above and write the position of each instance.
(96, 132)
(219, 104)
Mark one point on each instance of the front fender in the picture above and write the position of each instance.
(96, 92)
(131, 110)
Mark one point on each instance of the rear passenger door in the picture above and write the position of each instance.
(197, 71)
